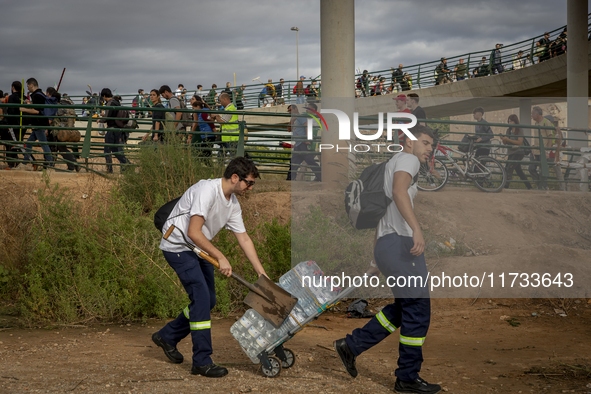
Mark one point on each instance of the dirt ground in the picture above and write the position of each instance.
(496, 345)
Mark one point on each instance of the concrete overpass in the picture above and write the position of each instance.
(543, 83)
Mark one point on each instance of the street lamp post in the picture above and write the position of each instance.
(297, 30)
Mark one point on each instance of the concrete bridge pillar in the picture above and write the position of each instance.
(337, 62)
(577, 71)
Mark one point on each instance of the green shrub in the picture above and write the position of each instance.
(105, 266)
(163, 172)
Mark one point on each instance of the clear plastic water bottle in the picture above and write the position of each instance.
(271, 336)
(235, 331)
(260, 325)
(286, 282)
(252, 315)
(261, 343)
(252, 353)
(239, 330)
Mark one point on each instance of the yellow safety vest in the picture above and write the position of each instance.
(231, 126)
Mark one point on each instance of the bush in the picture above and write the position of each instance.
(100, 261)
(164, 171)
(105, 266)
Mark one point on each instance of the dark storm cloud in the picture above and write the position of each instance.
(130, 44)
(411, 32)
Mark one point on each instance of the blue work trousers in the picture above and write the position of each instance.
(410, 312)
(197, 278)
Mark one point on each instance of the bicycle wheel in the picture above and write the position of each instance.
(432, 179)
(488, 174)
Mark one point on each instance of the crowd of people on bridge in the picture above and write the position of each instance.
(48, 128)
(401, 79)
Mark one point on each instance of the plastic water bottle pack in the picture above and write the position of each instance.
(306, 282)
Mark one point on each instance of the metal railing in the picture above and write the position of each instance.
(263, 141)
(426, 74)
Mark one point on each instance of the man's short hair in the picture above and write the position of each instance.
(414, 97)
(32, 81)
(140, 91)
(164, 88)
(17, 85)
(106, 92)
(537, 110)
(50, 91)
(242, 167)
(181, 85)
(225, 96)
(478, 109)
(419, 130)
(199, 86)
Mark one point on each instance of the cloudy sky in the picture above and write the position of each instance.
(126, 45)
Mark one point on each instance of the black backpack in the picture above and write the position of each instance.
(365, 200)
(163, 213)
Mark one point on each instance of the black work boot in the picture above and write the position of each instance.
(346, 355)
(416, 386)
(171, 352)
(210, 371)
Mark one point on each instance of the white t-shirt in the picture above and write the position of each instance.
(205, 198)
(393, 222)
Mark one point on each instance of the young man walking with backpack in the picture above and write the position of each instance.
(112, 137)
(39, 122)
(173, 103)
(202, 211)
(398, 252)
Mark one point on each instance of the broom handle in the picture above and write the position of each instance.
(240, 279)
(213, 261)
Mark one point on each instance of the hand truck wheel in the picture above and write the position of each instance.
(290, 358)
(274, 370)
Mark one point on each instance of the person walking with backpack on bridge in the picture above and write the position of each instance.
(39, 122)
(174, 102)
(398, 252)
(514, 136)
(112, 137)
(301, 150)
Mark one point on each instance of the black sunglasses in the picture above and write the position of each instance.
(249, 183)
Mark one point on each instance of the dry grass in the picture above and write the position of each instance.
(17, 211)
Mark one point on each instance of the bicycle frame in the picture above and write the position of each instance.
(469, 158)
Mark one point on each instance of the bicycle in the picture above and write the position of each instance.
(487, 173)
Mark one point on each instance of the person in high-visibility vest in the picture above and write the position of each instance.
(229, 122)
